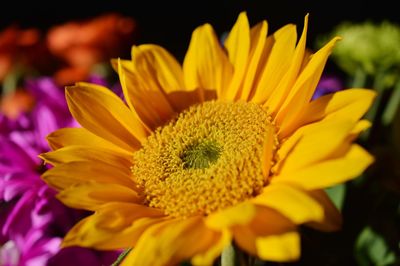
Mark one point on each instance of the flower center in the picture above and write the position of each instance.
(201, 155)
(210, 157)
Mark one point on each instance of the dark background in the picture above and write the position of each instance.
(170, 23)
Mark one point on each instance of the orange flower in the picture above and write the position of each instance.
(13, 104)
(17, 46)
(83, 44)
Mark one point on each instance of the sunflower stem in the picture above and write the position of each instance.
(121, 257)
(233, 256)
(228, 256)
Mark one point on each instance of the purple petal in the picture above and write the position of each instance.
(9, 254)
(18, 221)
(13, 185)
(12, 154)
(45, 122)
(45, 90)
(97, 79)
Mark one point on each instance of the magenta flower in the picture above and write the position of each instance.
(32, 220)
(32, 249)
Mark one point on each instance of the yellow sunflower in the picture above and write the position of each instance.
(227, 148)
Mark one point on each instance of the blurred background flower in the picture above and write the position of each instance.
(83, 45)
(18, 47)
(33, 221)
(369, 56)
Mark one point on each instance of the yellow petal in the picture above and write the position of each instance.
(258, 46)
(267, 222)
(279, 95)
(181, 100)
(122, 67)
(158, 68)
(361, 126)
(206, 65)
(308, 130)
(69, 174)
(100, 111)
(238, 46)
(351, 104)
(173, 242)
(92, 195)
(76, 153)
(307, 57)
(332, 218)
(113, 226)
(314, 144)
(278, 62)
(245, 238)
(208, 257)
(116, 62)
(294, 203)
(331, 172)
(147, 100)
(280, 248)
(303, 89)
(80, 136)
(239, 214)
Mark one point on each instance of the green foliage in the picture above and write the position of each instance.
(337, 194)
(372, 249)
(369, 46)
(368, 56)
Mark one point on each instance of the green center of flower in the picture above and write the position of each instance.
(201, 155)
(212, 156)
